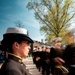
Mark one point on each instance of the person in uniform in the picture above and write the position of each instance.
(56, 55)
(46, 61)
(16, 43)
(69, 57)
(38, 58)
(42, 59)
(34, 55)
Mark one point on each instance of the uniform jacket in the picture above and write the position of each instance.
(13, 66)
(69, 54)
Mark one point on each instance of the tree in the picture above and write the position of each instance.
(68, 38)
(55, 16)
(19, 24)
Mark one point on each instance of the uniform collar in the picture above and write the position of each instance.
(14, 57)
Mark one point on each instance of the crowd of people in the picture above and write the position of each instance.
(55, 60)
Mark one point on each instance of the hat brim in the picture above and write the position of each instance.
(27, 38)
(18, 36)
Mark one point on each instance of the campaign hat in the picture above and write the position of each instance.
(17, 33)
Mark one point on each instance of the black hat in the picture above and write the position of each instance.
(17, 33)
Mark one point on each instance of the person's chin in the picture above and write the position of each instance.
(26, 55)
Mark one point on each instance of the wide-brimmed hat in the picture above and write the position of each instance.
(17, 33)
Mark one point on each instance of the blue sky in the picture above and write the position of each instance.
(14, 10)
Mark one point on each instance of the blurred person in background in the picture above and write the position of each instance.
(38, 58)
(56, 55)
(46, 62)
(69, 57)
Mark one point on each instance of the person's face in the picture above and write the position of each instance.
(48, 50)
(43, 49)
(24, 48)
(57, 45)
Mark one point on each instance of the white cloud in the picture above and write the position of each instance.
(30, 24)
(3, 21)
(10, 17)
(39, 38)
(22, 3)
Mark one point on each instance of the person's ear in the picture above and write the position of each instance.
(16, 44)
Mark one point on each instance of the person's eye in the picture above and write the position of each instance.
(29, 44)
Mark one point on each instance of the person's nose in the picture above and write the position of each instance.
(29, 47)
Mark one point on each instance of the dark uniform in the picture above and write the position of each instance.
(69, 57)
(38, 60)
(45, 62)
(34, 57)
(53, 54)
(56, 56)
(42, 61)
(14, 66)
